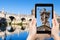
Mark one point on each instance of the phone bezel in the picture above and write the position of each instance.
(43, 5)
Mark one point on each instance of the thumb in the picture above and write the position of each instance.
(32, 27)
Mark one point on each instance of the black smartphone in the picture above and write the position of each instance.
(44, 16)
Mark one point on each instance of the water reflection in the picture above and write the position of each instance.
(21, 36)
(13, 29)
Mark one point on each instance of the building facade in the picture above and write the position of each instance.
(17, 19)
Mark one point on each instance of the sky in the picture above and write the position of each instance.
(25, 6)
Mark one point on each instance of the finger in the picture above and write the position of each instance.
(55, 27)
(55, 23)
(32, 27)
(34, 22)
(54, 15)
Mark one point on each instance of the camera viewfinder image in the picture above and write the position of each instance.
(44, 19)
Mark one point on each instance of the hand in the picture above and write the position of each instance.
(2, 34)
(55, 28)
(32, 30)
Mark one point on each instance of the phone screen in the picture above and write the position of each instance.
(44, 16)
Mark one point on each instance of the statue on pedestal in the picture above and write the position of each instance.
(45, 23)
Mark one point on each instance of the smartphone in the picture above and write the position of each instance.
(44, 16)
